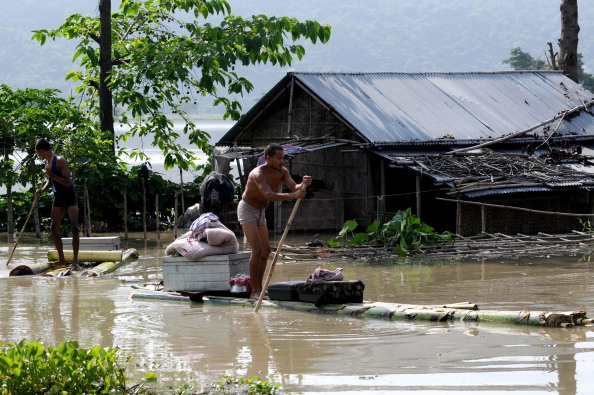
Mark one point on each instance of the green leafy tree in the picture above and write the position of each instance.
(25, 116)
(166, 53)
(520, 60)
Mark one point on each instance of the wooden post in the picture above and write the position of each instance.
(37, 222)
(278, 210)
(458, 217)
(144, 208)
(84, 203)
(88, 211)
(418, 186)
(241, 179)
(175, 214)
(181, 189)
(290, 112)
(10, 213)
(483, 218)
(381, 206)
(9, 203)
(157, 216)
(380, 209)
(125, 216)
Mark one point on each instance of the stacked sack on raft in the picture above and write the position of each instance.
(207, 236)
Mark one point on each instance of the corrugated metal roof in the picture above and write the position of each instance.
(415, 107)
(490, 192)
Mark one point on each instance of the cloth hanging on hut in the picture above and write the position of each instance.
(288, 149)
(222, 164)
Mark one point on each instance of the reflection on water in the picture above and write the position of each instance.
(308, 353)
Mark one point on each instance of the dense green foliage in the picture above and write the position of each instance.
(28, 368)
(404, 233)
(106, 184)
(520, 60)
(68, 369)
(166, 53)
(28, 114)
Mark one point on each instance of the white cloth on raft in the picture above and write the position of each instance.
(217, 239)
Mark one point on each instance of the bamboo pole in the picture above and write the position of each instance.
(175, 214)
(277, 253)
(9, 203)
(418, 190)
(459, 202)
(84, 203)
(88, 211)
(144, 207)
(125, 215)
(22, 230)
(37, 222)
(458, 217)
(561, 116)
(26, 270)
(483, 220)
(87, 256)
(104, 268)
(181, 189)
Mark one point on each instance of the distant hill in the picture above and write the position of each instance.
(383, 35)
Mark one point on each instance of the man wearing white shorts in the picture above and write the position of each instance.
(260, 189)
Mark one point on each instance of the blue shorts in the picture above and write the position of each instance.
(65, 199)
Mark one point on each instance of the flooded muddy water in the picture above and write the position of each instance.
(306, 353)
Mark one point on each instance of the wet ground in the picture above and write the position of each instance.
(308, 353)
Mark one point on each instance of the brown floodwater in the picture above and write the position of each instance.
(196, 343)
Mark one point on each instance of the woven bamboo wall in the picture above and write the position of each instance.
(343, 172)
(511, 222)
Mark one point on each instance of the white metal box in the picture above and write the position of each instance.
(210, 273)
(103, 243)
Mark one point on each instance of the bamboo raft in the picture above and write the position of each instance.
(463, 312)
(103, 262)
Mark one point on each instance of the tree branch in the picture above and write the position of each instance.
(118, 62)
(551, 58)
(96, 38)
(94, 84)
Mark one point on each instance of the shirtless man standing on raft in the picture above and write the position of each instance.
(59, 178)
(260, 189)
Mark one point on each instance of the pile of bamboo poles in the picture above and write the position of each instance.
(471, 172)
(103, 262)
(482, 246)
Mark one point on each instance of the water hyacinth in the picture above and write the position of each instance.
(28, 368)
